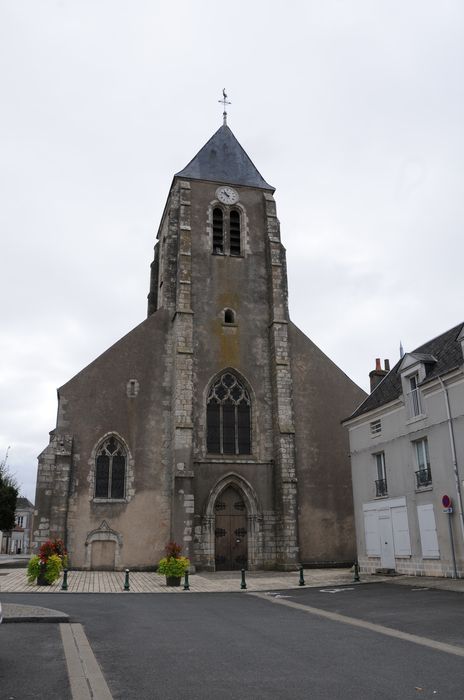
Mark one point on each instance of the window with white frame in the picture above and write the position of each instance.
(20, 520)
(376, 427)
(381, 481)
(414, 397)
(423, 474)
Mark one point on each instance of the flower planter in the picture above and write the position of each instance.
(41, 580)
(173, 580)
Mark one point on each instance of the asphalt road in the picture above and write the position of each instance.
(32, 662)
(204, 646)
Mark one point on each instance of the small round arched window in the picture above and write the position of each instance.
(229, 316)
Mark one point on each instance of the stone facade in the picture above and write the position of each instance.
(209, 316)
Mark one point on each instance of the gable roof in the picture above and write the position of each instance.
(222, 159)
(22, 503)
(441, 355)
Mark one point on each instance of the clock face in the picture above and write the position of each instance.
(227, 195)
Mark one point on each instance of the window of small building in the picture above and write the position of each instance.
(424, 473)
(381, 481)
(376, 427)
(110, 470)
(414, 397)
(228, 417)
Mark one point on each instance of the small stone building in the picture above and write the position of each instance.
(215, 422)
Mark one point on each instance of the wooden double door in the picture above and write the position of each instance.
(231, 534)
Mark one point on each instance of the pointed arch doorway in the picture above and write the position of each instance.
(231, 530)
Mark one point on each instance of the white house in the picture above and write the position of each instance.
(407, 460)
(19, 540)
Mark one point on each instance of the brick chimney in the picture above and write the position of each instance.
(377, 374)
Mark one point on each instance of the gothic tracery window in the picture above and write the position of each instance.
(228, 417)
(110, 469)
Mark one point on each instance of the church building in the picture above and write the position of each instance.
(215, 422)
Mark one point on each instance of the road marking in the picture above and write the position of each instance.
(85, 676)
(371, 626)
(334, 590)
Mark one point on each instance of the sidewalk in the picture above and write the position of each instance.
(15, 581)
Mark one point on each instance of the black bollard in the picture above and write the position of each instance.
(126, 581)
(64, 585)
(186, 581)
(243, 583)
(301, 582)
(356, 572)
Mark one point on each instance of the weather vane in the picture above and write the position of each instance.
(224, 102)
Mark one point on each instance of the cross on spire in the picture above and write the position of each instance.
(224, 102)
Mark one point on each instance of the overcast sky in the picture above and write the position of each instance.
(354, 111)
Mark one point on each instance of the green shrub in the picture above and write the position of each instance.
(173, 566)
(33, 569)
(53, 568)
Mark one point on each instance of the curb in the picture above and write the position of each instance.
(31, 613)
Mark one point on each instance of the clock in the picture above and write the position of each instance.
(227, 195)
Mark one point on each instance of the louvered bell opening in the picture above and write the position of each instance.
(218, 232)
(234, 233)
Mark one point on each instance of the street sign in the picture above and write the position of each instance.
(446, 501)
(447, 510)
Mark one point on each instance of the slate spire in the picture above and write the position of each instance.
(222, 159)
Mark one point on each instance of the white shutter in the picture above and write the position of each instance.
(400, 526)
(428, 532)
(371, 529)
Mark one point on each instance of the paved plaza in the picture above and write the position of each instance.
(15, 581)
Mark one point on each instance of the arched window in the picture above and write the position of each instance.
(110, 469)
(228, 417)
(218, 231)
(234, 232)
(229, 316)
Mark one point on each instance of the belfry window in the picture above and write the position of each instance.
(110, 470)
(228, 417)
(227, 233)
(234, 232)
(218, 231)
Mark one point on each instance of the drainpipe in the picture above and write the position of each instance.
(453, 454)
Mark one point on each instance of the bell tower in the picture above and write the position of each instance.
(219, 269)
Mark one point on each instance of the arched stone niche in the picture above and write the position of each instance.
(103, 549)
